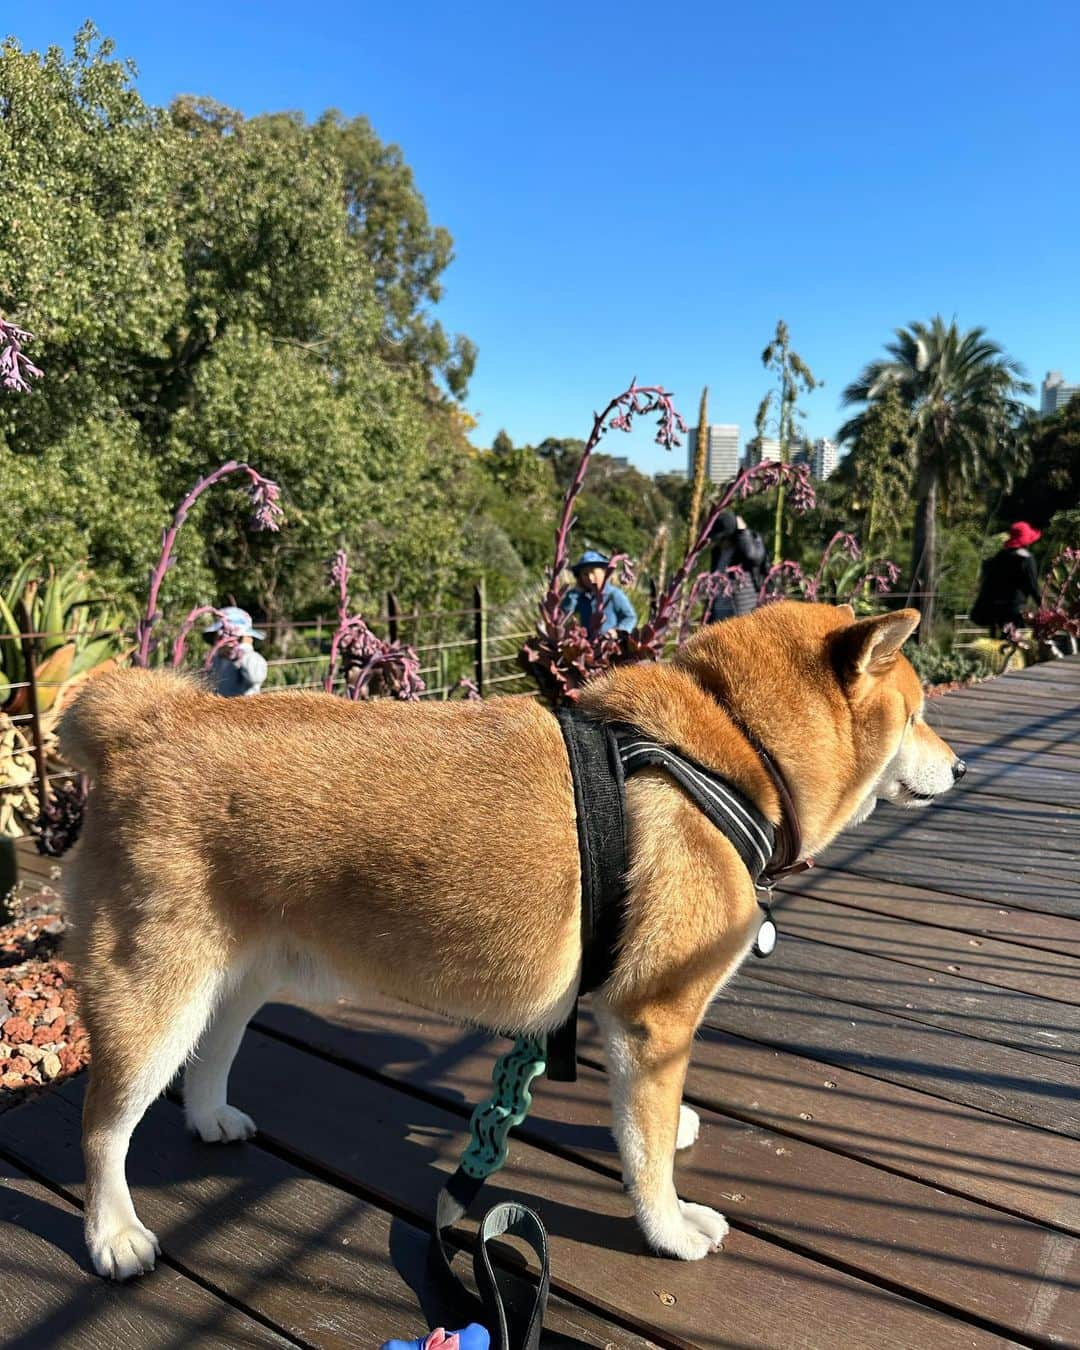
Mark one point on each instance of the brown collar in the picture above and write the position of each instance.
(785, 858)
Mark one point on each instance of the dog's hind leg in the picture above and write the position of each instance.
(144, 1019)
(648, 1050)
(206, 1077)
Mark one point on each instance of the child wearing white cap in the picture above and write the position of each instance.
(237, 668)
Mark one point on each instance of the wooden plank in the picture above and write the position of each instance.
(33, 865)
(1023, 695)
(928, 1243)
(1043, 974)
(1034, 717)
(1013, 1166)
(925, 834)
(1012, 890)
(329, 1268)
(1039, 784)
(982, 814)
(956, 865)
(1021, 700)
(1028, 1171)
(979, 918)
(1063, 674)
(1052, 731)
(982, 725)
(977, 750)
(955, 724)
(50, 1297)
(399, 1148)
(976, 1073)
(967, 1007)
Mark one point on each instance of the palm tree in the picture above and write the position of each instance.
(961, 394)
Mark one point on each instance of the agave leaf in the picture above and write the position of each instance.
(51, 674)
(52, 613)
(11, 653)
(19, 582)
(94, 652)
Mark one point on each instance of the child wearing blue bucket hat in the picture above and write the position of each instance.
(237, 668)
(591, 592)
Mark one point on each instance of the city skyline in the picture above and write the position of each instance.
(722, 454)
(1055, 393)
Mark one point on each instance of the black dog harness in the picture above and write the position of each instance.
(602, 756)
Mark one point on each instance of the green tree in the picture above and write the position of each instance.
(881, 467)
(1052, 483)
(792, 373)
(207, 287)
(960, 390)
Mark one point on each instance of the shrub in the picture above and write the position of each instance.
(936, 665)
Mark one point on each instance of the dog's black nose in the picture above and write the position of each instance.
(959, 768)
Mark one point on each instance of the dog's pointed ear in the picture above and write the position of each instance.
(846, 612)
(871, 646)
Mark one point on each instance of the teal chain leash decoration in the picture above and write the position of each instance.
(508, 1106)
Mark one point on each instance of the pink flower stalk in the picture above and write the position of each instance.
(563, 655)
(1058, 611)
(266, 515)
(16, 368)
(468, 689)
(180, 641)
(706, 587)
(748, 483)
(370, 666)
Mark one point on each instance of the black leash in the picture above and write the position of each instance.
(508, 1330)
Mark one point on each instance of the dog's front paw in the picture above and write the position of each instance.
(690, 1232)
(221, 1125)
(124, 1252)
(689, 1127)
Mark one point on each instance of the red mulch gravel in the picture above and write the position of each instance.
(42, 1040)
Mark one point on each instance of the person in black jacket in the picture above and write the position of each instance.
(736, 546)
(1007, 581)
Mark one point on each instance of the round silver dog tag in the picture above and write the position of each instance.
(765, 942)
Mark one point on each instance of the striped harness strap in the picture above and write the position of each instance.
(731, 811)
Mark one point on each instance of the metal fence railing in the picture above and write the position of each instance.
(477, 642)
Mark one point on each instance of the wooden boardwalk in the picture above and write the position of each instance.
(890, 1120)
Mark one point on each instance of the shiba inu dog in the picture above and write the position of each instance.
(430, 851)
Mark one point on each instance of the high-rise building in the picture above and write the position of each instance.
(1056, 393)
(823, 460)
(721, 455)
(761, 447)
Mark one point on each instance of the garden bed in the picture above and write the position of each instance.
(42, 1039)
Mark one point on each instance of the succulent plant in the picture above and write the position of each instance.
(78, 632)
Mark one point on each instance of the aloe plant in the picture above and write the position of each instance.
(77, 630)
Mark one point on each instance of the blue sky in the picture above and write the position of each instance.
(644, 190)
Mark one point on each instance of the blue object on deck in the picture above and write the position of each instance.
(473, 1337)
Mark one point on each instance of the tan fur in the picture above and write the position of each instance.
(429, 851)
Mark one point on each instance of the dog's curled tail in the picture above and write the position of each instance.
(116, 711)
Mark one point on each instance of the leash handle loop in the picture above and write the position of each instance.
(491, 1124)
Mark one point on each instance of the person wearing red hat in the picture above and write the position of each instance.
(1008, 580)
